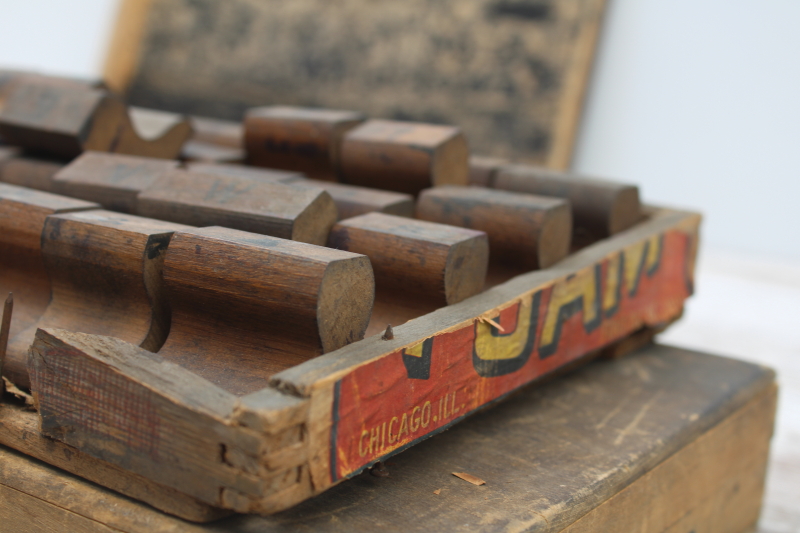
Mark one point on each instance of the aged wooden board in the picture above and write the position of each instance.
(371, 399)
(665, 440)
(510, 73)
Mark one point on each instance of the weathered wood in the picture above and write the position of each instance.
(256, 173)
(600, 208)
(172, 424)
(33, 172)
(350, 200)
(105, 277)
(66, 120)
(296, 138)
(19, 429)
(511, 73)
(297, 212)
(22, 271)
(525, 230)
(419, 266)
(404, 156)
(9, 79)
(482, 170)
(112, 180)
(278, 304)
(639, 448)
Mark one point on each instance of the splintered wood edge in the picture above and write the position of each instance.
(320, 372)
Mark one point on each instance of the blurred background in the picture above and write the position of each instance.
(696, 102)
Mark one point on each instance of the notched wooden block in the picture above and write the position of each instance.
(525, 230)
(112, 180)
(66, 120)
(23, 213)
(105, 270)
(404, 156)
(246, 306)
(299, 213)
(600, 208)
(297, 138)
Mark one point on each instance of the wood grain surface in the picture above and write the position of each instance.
(278, 304)
(23, 213)
(112, 180)
(525, 230)
(404, 156)
(290, 211)
(65, 120)
(352, 200)
(600, 207)
(419, 266)
(33, 172)
(666, 440)
(105, 273)
(307, 140)
(511, 74)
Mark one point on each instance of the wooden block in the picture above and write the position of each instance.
(599, 207)
(218, 132)
(669, 440)
(482, 170)
(32, 172)
(9, 79)
(419, 266)
(295, 212)
(404, 156)
(105, 275)
(256, 173)
(66, 120)
(278, 304)
(526, 230)
(297, 138)
(22, 271)
(352, 200)
(112, 180)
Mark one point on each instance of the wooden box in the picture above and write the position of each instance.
(159, 433)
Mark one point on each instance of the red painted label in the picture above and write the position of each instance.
(393, 401)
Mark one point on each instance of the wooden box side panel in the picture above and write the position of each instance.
(371, 410)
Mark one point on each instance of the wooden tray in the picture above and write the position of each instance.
(326, 420)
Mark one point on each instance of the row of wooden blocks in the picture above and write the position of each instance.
(238, 300)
